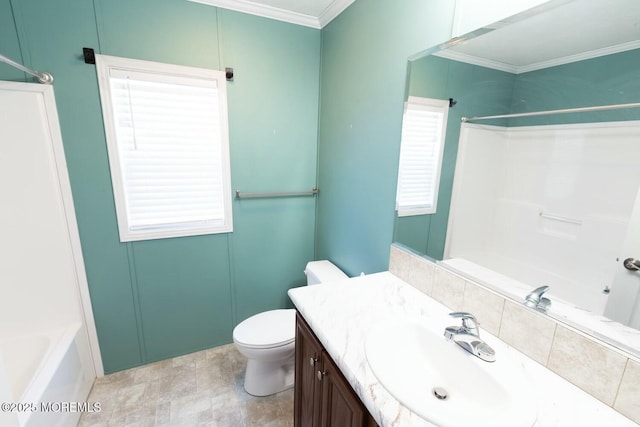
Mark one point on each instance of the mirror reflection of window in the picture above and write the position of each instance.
(424, 126)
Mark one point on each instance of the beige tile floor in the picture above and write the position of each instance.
(199, 389)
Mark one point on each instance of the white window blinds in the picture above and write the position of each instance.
(423, 131)
(167, 137)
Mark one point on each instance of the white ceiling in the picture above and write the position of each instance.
(310, 13)
(564, 30)
(573, 31)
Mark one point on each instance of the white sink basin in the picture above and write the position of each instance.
(411, 361)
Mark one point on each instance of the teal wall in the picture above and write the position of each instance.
(612, 79)
(364, 68)
(477, 90)
(160, 298)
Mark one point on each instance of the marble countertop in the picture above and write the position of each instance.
(342, 313)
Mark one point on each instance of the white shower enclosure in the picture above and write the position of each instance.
(552, 205)
(48, 345)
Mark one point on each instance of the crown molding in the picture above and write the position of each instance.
(501, 66)
(264, 11)
(335, 8)
(581, 56)
(476, 60)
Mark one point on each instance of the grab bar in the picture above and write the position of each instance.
(561, 218)
(246, 195)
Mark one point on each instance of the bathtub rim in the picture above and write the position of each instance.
(60, 341)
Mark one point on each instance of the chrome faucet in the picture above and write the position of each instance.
(537, 301)
(469, 325)
(467, 336)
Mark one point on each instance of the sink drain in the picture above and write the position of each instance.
(440, 393)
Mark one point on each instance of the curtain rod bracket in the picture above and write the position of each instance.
(89, 55)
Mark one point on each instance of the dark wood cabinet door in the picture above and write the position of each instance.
(341, 407)
(323, 397)
(307, 386)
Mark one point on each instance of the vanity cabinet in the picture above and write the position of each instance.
(323, 397)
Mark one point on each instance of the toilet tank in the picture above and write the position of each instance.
(323, 271)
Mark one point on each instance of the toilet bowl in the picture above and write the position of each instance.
(267, 339)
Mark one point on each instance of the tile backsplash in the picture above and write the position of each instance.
(527, 331)
(600, 370)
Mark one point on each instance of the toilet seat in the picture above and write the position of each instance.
(268, 329)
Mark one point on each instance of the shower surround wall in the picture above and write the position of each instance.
(546, 205)
(160, 298)
(48, 349)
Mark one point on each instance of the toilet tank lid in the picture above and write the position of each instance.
(324, 271)
(267, 329)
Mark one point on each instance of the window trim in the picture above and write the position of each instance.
(104, 65)
(435, 105)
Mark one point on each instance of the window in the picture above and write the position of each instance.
(424, 127)
(167, 138)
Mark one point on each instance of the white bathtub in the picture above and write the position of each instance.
(44, 369)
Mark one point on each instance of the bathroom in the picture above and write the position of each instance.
(324, 107)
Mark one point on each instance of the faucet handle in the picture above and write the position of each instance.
(537, 293)
(469, 321)
(534, 298)
(463, 314)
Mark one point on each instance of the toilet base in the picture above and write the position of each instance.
(263, 378)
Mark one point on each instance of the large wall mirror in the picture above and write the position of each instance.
(548, 199)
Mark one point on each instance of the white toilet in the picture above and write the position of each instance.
(267, 339)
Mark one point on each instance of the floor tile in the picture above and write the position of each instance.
(203, 389)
